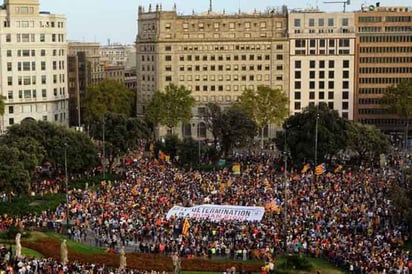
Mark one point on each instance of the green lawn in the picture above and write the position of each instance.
(78, 247)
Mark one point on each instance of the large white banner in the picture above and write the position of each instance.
(218, 213)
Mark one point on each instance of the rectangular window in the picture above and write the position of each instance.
(330, 22)
(9, 80)
(11, 109)
(321, 22)
(346, 63)
(311, 22)
(312, 64)
(297, 23)
(43, 93)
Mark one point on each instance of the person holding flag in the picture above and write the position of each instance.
(320, 169)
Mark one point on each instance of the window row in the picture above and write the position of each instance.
(198, 78)
(321, 43)
(320, 22)
(322, 74)
(230, 26)
(27, 80)
(243, 57)
(321, 95)
(374, 111)
(31, 38)
(331, 105)
(31, 66)
(372, 91)
(321, 64)
(246, 47)
(265, 67)
(386, 70)
(32, 52)
(385, 60)
(380, 80)
(386, 39)
(391, 122)
(31, 24)
(391, 49)
(321, 85)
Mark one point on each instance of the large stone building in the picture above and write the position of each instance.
(33, 58)
(215, 55)
(322, 60)
(84, 69)
(384, 58)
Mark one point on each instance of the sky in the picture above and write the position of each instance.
(116, 20)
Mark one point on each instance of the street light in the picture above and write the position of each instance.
(104, 153)
(67, 187)
(316, 139)
(285, 174)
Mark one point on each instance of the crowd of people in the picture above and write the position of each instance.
(347, 217)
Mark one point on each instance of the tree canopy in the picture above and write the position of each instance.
(264, 106)
(231, 127)
(47, 143)
(399, 101)
(121, 134)
(367, 141)
(300, 130)
(107, 96)
(170, 107)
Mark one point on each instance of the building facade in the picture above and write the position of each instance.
(33, 57)
(384, 58)
(322, 60)
(215, 55)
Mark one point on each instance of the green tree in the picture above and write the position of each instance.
(2, 105)
(154, 111)
(14, 178)
(31, 152)
(107, 96)
(300, 130)
(368, 142)
(399, 100)
(53, 140)
(237, 129)
(170, 107)
(120, 134)
(265, 106)
(214, 121)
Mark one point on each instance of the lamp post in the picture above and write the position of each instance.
(104, 153)
(67, 188)
(285, 175)
(316, 138)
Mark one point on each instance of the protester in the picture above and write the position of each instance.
(347, 217)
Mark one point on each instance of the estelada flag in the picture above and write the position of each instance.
(236, 168)
(162, 155)
(305, 168)
(320, 169)
(338, 169)
(186, 226)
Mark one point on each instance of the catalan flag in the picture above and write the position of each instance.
(338, 169)
(236, 168)
(186, 226)
(162, 155)
(320, 169)
(305, 168)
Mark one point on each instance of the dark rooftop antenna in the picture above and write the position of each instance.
(347, 2)
(210, 6)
